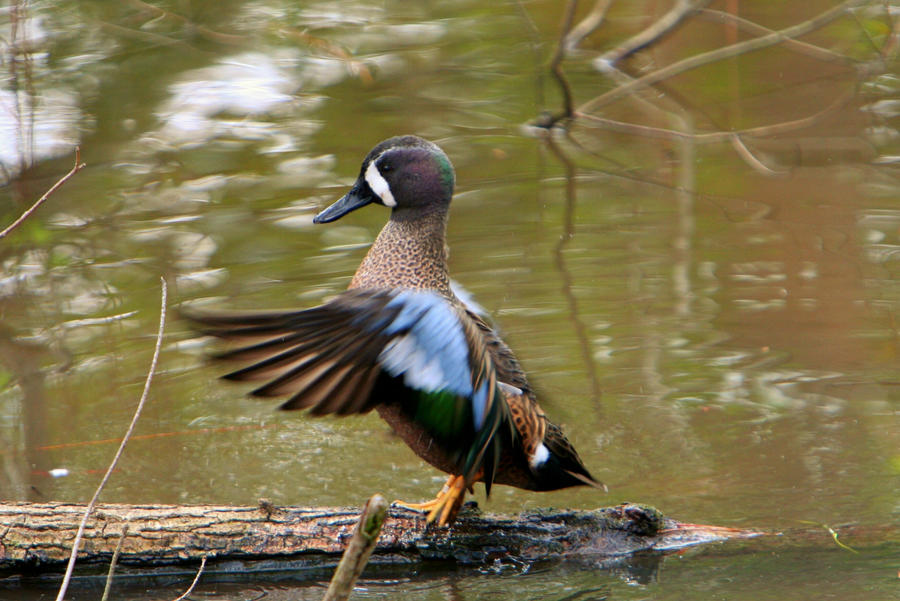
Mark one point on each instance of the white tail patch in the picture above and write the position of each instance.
(379, 185)
(541, 454)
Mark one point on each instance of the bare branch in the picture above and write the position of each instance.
(356, 556)
(584, 343)
(568, 39)
(112, 466)
(751, 159)
(693, 62)
(588, 25)
(748, 26)
(717, 136)
(112, 564)
(662, 26)
(555, 63)
(196, 579)
(78, 167)
(647, 99)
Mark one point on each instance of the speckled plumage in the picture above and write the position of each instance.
(408, 254)
(399, 340)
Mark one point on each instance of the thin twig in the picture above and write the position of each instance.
(588, 24)
(537, 49)
(555, 63)
(358, 551)
(137, 413)
(651, 99)
(745, 153)
(693, 62)
(718, 136)
(662, 26)
(113, 562)
(78, 167)
(748, 26)
(196, 579)
(647, 99)
(833, 534)
(569, 38)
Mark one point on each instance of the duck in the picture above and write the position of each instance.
(401, 341)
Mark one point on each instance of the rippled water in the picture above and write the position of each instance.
(713, 318)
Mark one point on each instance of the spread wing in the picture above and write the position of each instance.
(345, 356)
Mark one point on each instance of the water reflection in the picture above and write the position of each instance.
(240, 86)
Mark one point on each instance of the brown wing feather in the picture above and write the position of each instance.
(497, 414)
(505, 363)
(317, 356)
(291, 376)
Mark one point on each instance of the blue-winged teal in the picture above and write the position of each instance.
(400, 341)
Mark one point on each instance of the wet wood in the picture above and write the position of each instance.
(37, 537)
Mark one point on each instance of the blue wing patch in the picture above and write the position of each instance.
(429, 349)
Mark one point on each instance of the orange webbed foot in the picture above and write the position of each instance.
(443, 508)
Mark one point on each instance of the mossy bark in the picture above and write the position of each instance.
(37, 537)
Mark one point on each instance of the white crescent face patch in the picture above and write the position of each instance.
(379, 185)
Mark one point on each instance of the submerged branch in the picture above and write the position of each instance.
(719, 136)
(694, 62)
(748, 26)
(556, 65)
(559, 253)
(588, 24)
(662, 26)
(751, 159)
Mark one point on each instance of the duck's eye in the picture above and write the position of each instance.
(385, 167)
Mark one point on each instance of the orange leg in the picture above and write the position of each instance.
(445, 506)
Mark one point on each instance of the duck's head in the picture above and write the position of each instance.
(407, 174)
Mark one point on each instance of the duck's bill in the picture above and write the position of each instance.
(358, 197)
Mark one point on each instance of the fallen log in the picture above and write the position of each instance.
(36, 538)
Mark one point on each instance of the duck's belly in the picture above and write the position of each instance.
(512, 470)
(417, 438)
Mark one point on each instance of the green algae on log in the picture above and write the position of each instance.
(37, 537)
